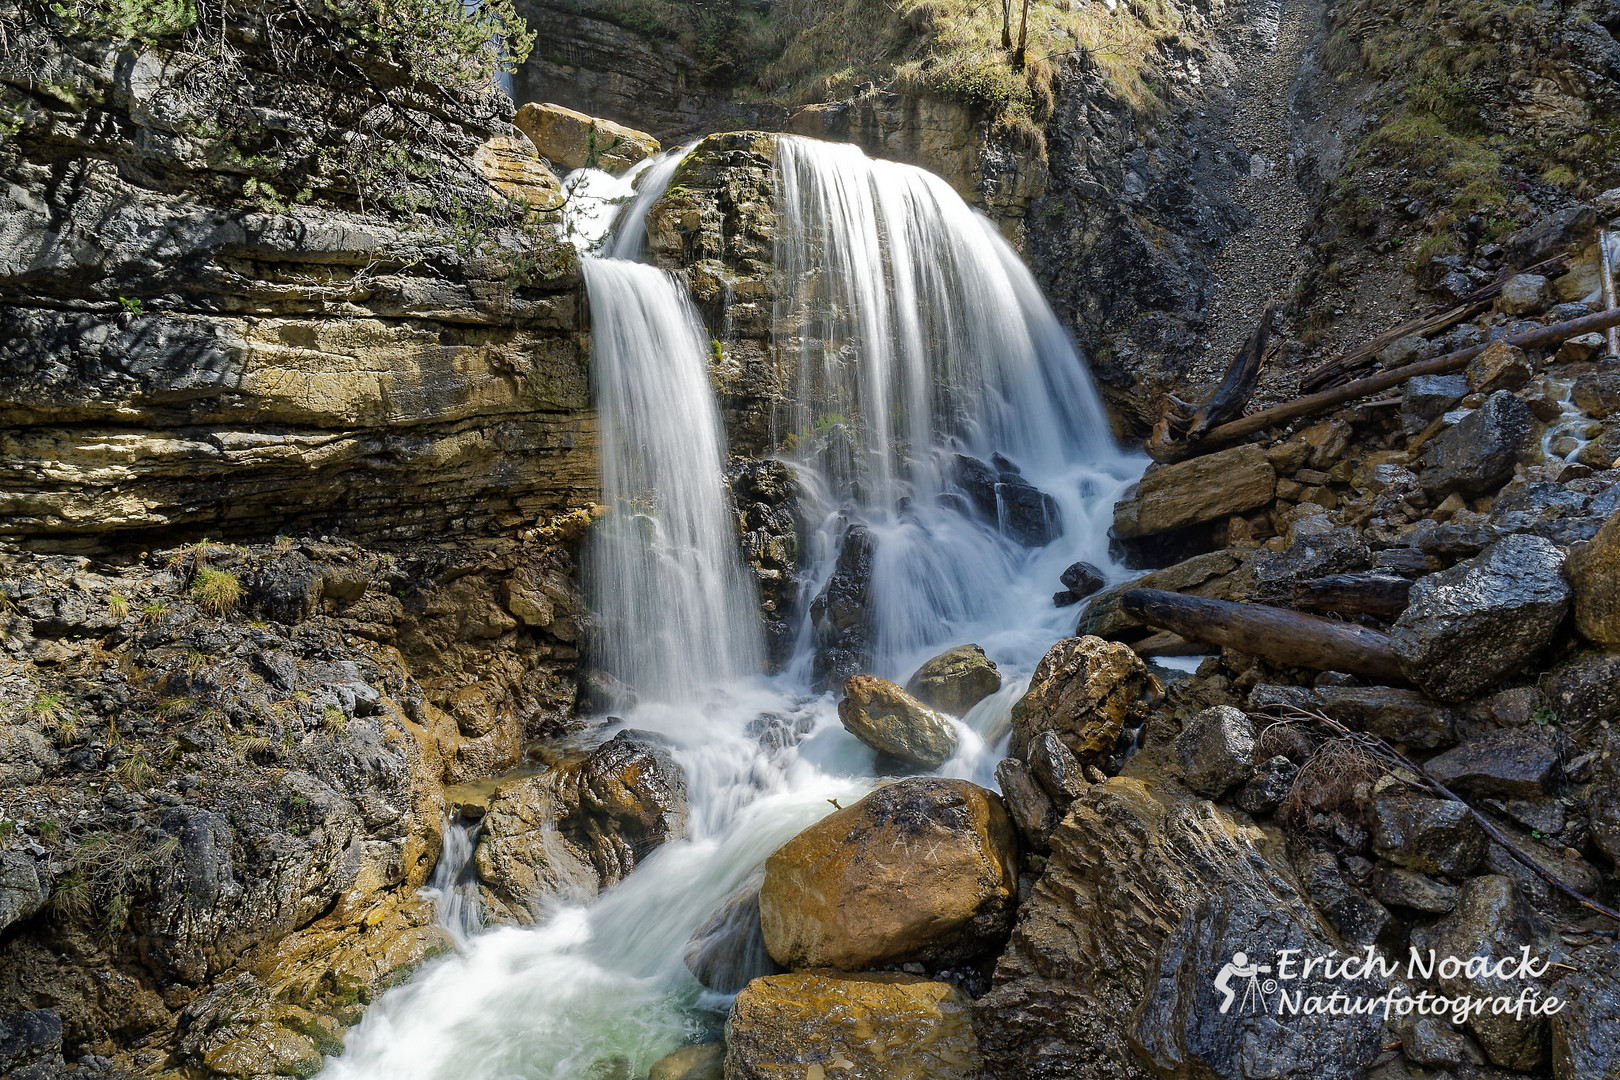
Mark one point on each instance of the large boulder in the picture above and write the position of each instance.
(1468, 628)
(1594, 574)
(838, 614)
(1478, 453)
(955, 680)
(22, 893)
(1489, 921)
(1404, 717)
(825, 1024)
(1081, 691)
(573, 140)
(1006, 500)
(892, 722)
(1111, 970)
(924, 869)
(580, 826)
(1205, 488)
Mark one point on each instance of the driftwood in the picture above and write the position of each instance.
(1183, 425)
(1436, 320)
(1312, 404)
(1278, 635)
(1391, 756)
(1379, 594)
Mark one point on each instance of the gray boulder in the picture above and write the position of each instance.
(1468, 628)
(1524, 294)
(1514, 763)
(1478, 453)
(1429, 396)
(1216, 750)
(1586, 1031)
(1433, 836)
(22, 893)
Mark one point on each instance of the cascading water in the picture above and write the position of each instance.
(676, 610)
(454, 884)
(918, 337)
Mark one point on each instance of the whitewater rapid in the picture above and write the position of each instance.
(929, 339)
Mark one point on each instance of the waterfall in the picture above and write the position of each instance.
(920, 342)
(454, 884)
(918, 335)
(678, 614)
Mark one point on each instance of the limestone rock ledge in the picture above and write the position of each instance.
(179, 351)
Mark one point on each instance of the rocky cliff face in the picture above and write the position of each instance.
(185, 347)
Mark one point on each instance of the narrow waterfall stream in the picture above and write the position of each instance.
(925, 356)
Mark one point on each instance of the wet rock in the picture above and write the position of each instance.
(1404, 717)
(602, 692)
(22, 893)
(31, 1044)
(1206, 488)
(1216, 750)
(1547, 237)
(1081, 579)
(1008, 501)
(1056, 768)
(1429, 396)
(1478, 453)
(1585, 1033)
(1433, 1042)
(1524, 294)
(1210, 574)
(789, 1027)
(838, 614)
(1356, 917)
(1434, 836)
(1597, 393)
(1489, 921)
(1585, 691)
(1081, 691)
(923, 869)
(578, 827)
(1110, 971)
(1031, 807)
(1468, 628)
(955, 680)
(25, 756)
(705, 1062)
(1513, 763)
(1314, 551)
(1500, 367)
(1594, 576)
(767, 496)
(892, 722)
(1272, 781)
(1399, 887)
(573, 140)
(728, 950)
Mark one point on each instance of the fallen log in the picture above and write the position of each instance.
(1276, 635)
(1378, 594)
(1434, 321)
(1319, 402)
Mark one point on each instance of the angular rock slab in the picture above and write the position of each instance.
(1468, 628)
(1110, 972)
(810, 1024)
(924, 869)
(1594, 572)
(574, 140)
(1081, 691)
(1205, 488)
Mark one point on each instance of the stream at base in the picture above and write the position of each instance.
(924, 347)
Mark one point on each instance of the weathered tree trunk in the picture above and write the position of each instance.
(1023, 37)
(1380, 595)
(1277, 635)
